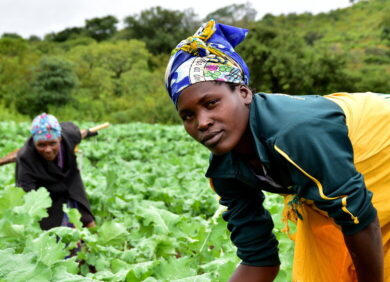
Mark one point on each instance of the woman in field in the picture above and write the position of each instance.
(329, 156)
(48, 160)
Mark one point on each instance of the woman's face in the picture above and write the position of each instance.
(48, 149)
(214, 115)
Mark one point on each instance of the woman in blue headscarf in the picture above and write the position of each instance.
(48, 160)
(329, 156)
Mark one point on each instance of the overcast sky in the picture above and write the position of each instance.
(39, 17)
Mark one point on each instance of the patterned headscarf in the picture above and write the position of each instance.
(45, 127)
(206, 56)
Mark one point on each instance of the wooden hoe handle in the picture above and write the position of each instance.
(99, 127)
(10, 158)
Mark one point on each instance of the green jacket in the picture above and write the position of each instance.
(303, 142)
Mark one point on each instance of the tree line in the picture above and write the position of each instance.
(97, 71)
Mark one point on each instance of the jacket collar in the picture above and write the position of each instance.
(257, 130)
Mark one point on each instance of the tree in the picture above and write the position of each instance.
(256, 51)
(16, 59)
(11, 35)
(312, 36)
(100, 67)
(51, 84)
(101, 28)
(281, 62)
(68, 33)
(118, 85)
(15, 47)
(385, 24)
(160, 28)
(34, 38)
(235, 14)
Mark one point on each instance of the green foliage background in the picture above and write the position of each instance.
(97, 72)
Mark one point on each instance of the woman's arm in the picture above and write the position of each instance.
(366, 251)
(251, 228)
(254, 273)
(24, 176)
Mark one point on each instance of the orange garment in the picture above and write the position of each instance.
(320, 252)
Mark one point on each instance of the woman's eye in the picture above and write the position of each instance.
(187, 117)
(211, 103)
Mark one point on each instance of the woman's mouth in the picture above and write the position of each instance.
(211, 139)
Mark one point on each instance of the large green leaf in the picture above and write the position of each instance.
(35, 204)
(163, 220)
(197, 278)
(110, 231)
(141, 271)
(74, 217)
(21, 267)
(10, 197)
(62, 275)
(46, 249)
(176, 268)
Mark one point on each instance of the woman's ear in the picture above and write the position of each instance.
(246, 94)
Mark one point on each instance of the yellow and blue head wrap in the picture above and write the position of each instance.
(208, 55)
(45, 127)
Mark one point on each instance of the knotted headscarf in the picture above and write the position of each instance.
(206, 56)
(45, 127)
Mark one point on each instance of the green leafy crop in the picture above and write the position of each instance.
(157, 218)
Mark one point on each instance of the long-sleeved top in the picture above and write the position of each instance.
(61, 179)
(303, 144)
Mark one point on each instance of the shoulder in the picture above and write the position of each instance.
(279, 114)
(27, 152)
(71, 133)
(69, 127)
(28, 161)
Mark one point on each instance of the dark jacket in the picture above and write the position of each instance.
(33, 172)
(303, 143)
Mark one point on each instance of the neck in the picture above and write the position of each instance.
(245, 146)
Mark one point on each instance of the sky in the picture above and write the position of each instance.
(40, 17)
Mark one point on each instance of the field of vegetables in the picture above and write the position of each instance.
(157, 218)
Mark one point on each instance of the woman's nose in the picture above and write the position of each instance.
(204, 122)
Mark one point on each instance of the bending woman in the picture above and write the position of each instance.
(328, 155)
(48, 160)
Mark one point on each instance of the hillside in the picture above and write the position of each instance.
(98, 72)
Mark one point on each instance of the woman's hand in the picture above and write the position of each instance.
(91, 224)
